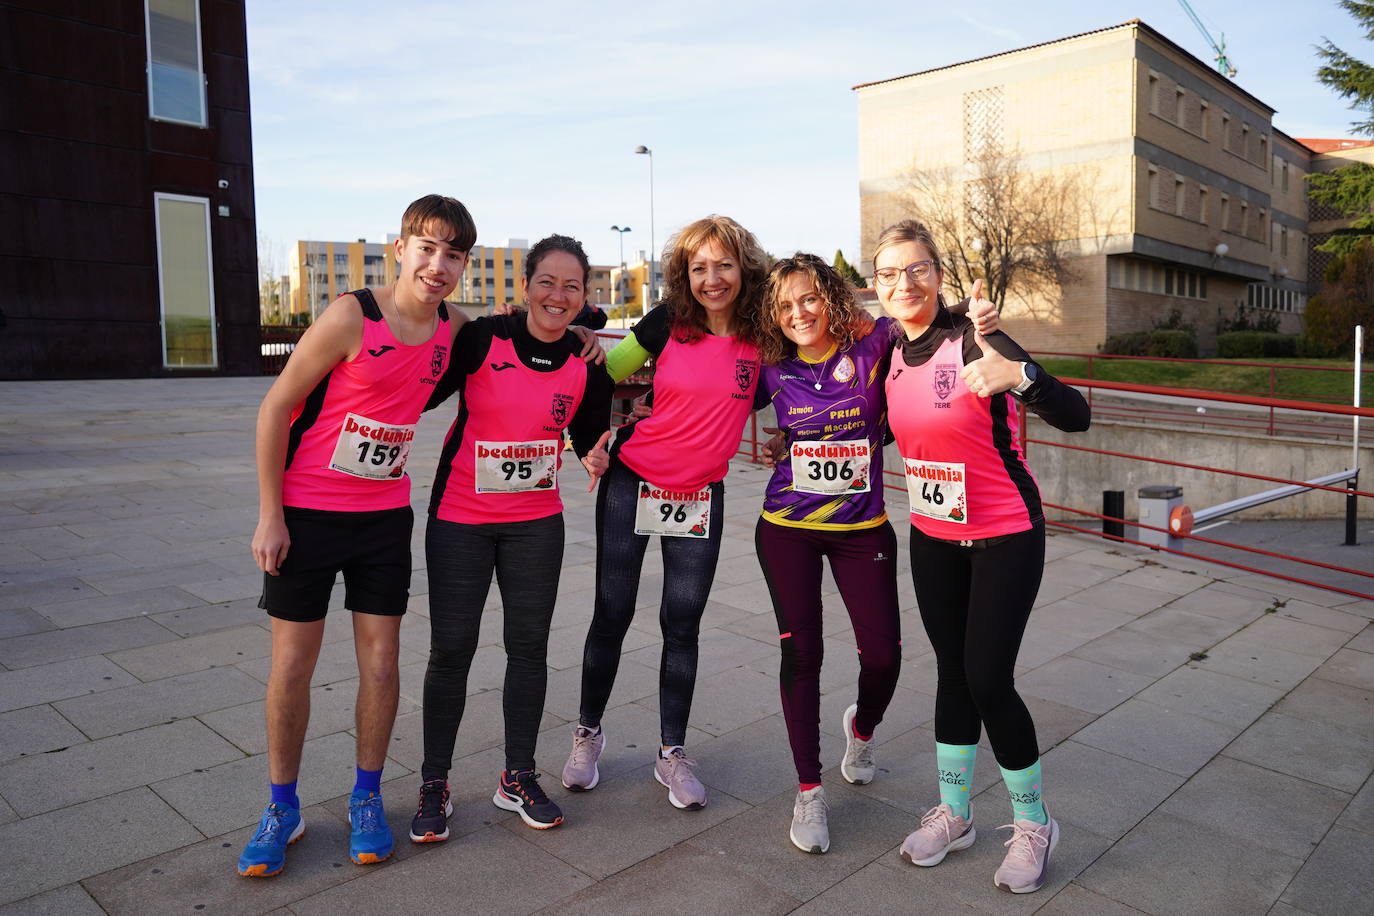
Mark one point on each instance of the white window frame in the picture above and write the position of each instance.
(158, 197)
(200, 69)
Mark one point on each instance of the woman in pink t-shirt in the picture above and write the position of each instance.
(666, 477)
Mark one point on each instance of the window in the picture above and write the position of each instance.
(1274, 298)
(1150, 277)
(1154, 186)
(1202, 203)
(340, 260)
(1178, 196)
(1285, 176)
(1225, 130)
(1263, 150)
(176, 80)
(1283, 240)
(1178, 106)
(185, 281)
(488, 264)
(1154, 93)
(1225, 213)
(1244, 140)
(1203, 108)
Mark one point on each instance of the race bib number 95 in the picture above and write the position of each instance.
(671, 513)
(369, 449)
(936, 490)
(830, 468)
(516, 467)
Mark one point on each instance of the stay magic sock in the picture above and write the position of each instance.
(955, 763)
(1024, 788)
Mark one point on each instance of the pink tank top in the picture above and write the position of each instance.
(703, 393)
(504, 467)
(351, 436)
(965, 469)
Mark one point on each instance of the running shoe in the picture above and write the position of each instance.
(520, 792)
(810, 821)
(369, 841)
(265, 854)
(941, 832)
(1028, 856)
(857, 766)
(430, 823)
(580, 772)
(675, 773)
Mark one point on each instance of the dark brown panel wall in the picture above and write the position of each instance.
(80, 160)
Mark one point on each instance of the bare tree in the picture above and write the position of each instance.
(994, 220)
(272, 305)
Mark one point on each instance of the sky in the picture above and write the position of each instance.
(529, 111)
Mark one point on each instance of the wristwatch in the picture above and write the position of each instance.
(1029, 374)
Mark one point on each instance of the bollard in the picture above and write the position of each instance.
(1114, 508)
(1156, 502)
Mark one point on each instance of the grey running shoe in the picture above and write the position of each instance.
(810, 825)
(941, 831)
(1028, 856)
(675, 772)
(857, 766)
(580, 772)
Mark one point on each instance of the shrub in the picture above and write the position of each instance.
(1179, 344)
(1255, 344)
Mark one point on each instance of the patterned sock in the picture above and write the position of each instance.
(285, 794)
(368, 781)
(955, 763)
(1024, 788)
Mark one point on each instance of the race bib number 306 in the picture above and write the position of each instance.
(516, 467)
(936, 490)
(830, 468)
(671, 513)
(366, 448)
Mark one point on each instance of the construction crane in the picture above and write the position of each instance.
(1224, 65)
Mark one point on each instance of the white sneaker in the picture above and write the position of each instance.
(810, 826)
(857, 766)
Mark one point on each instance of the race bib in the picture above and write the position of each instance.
(830, 468)
(516, 467)
(936, 490)
(373, 450)
(671, 513)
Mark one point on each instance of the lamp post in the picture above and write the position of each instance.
(643, 150)
(620, 234)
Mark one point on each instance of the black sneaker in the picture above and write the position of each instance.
(430, 823)
(519, 792)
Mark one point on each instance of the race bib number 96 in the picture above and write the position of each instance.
(516, 467)
(830, 468)
(936, 490)
(671, 513)
(366, 448)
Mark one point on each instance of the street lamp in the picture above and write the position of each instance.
(620, 234)
(643, 150)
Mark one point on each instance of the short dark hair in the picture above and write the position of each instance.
(449, 211)
(549, 245)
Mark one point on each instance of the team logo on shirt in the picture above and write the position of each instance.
(944, 381)
(562, 403)
(745, 370)
(844, 369)
(436, 363)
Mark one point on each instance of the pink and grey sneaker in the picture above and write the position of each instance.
(580, 772)
(941, 832)
(1028, 856)
(675, 772)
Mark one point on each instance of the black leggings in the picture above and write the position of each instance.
(689, 565)
(527, 558)
(864, 564)
(974, 604)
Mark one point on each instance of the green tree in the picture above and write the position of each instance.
(1346, 299)
(848, 271)
(1350, 189)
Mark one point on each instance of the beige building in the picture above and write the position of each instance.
(320, 272)
(1191, 199)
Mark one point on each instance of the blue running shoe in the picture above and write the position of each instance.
(265, 854)
(370, 840)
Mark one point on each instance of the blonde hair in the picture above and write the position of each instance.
(842, 313)
(688, 315)
(911, 230)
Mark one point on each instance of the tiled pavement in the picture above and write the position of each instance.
(1209, 736)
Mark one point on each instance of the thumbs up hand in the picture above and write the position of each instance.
(982, 312)
(992, 373)
(597, 460)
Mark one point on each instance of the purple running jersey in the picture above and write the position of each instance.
(834, 415)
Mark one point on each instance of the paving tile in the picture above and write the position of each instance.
(172, 574)
(728, 700)
(633, 681)
(81, 642)
(1138, 653)
(1364, 642)
(1121, 596)
(1314, 751)
(1354, 669)
(43, 591)
(754, 763)
(21, 621)
(1261, 663)
(197, 653)
(71, 900)
(103, 608)
(1213, 601)
(1335, 704)
(1072, 617)
(1337, 879)
(907, 710)
(1168, 865)
(210, 617)
(33, 785)
(1292, 636)
(96, 836)
(1150, 734)
(1081, 684)
(35, 730)
(1113, 794)
(483, 726)
(1041, 645)
(1163, 579)
(874, 889)
(1078, 901)
(46, 683)
(718, 650)
(1197, 630)
(1286, 589)
(129, 708)
(228, 587)
(1322, 616)
(331, 710)
(1229, 700)
(1359, 814)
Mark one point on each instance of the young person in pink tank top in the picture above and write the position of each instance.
(977, 541)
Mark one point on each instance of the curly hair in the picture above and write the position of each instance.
(842, 313)
(547, 246)
(688, 315)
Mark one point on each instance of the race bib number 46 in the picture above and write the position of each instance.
(671, 513)
(516, 467)
(830, 468)
(369, 449)
(936, 490)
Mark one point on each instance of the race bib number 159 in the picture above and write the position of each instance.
(672, 514)
(366, 448)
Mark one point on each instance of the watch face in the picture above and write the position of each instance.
(1032, 372)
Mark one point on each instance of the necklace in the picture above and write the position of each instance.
(815, 376)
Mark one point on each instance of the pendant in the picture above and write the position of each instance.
(818, 386)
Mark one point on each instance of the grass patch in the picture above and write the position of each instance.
(1292, 383)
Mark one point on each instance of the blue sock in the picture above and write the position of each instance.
(955, 762)
(368, 781)
(285, 794)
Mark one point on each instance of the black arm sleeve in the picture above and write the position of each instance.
(593, 416)
(470, 347)
(590, 317)
(653, 329)
(1050, 399)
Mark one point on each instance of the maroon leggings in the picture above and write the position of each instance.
(865, 569)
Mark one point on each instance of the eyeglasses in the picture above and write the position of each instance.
(887, 276)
